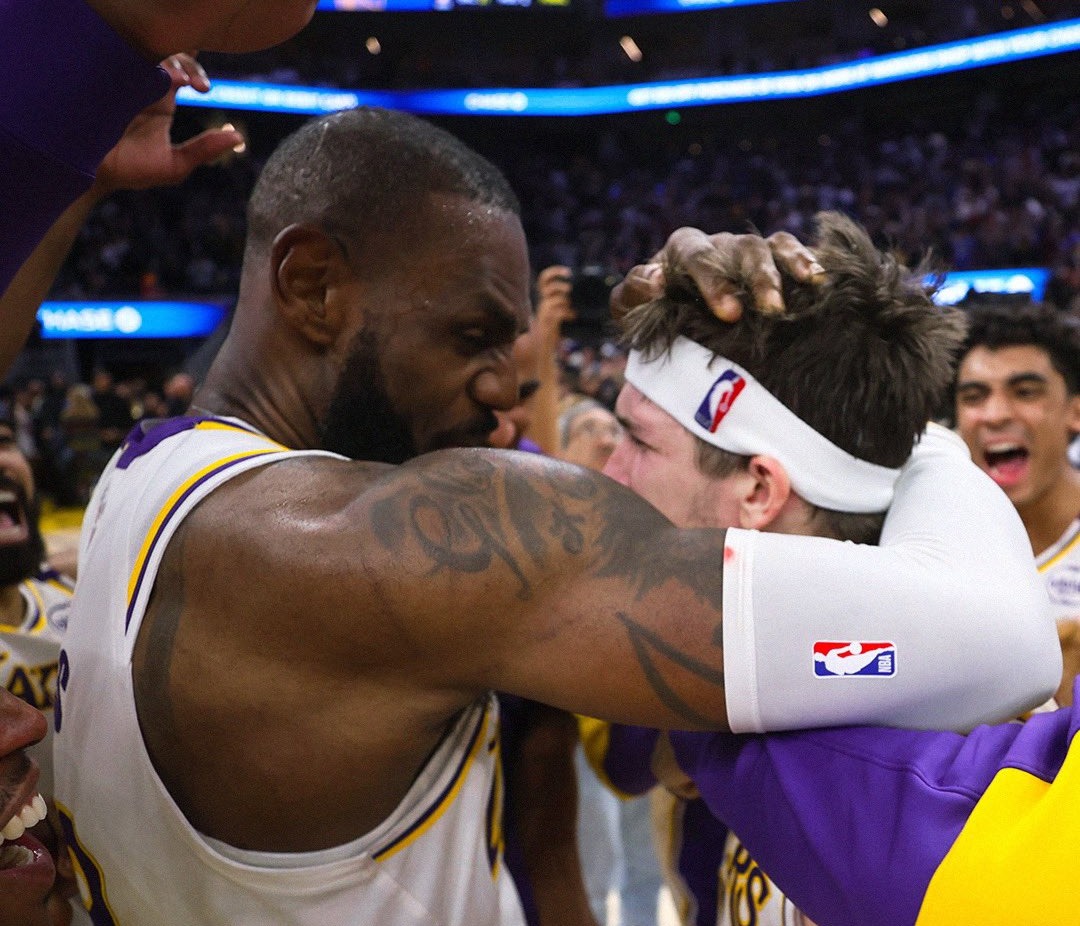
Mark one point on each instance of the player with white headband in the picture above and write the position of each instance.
(773, 427)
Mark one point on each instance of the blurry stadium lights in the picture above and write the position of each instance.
(373, 45)
(1032, 9)
(879, 18)
(630, 48)
(998, 48)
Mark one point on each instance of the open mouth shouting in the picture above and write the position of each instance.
(14, 524)
(1006, 462)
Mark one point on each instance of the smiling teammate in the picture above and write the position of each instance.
(1017, 407)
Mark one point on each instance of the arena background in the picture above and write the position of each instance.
(980, 163)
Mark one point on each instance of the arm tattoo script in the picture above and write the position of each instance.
(457, 515)
(467, 511)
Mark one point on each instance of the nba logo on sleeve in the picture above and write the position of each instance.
(719, 399)
(847, 659)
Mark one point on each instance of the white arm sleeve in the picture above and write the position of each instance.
(952, 586)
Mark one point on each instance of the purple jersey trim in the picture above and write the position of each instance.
(170, 513)
(146, 435)
(852, 823)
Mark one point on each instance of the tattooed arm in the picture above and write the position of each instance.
(554, 583)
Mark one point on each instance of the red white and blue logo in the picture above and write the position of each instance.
(719, 399)
(849, 659)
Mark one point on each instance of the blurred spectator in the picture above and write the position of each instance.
(83, 456)
(114, 411)
(178, 390)
(588, 432)
(992, 184)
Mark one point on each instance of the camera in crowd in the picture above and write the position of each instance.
(590, 296)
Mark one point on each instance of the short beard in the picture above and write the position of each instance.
(361, 423)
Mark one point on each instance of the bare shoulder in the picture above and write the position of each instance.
(417, 553)
(524, 521)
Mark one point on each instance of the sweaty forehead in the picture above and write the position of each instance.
(480, 251)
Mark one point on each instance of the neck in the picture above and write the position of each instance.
(1047, 517)
(235, 388)
(12, 606)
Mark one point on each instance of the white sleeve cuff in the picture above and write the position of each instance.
(740, 647)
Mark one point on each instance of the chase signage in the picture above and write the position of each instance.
(60, 320)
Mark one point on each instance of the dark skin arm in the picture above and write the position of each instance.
(545, 558)
(404, 594)
(541, 805)
(401, 595)
(144, 157)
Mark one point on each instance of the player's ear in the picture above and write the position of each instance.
(307, 267)
(764, 493)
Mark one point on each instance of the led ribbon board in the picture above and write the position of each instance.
(1018, 281)
(644, 7)
(60, 320)
(1000, 48)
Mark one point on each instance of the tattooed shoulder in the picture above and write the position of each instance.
(465, 509)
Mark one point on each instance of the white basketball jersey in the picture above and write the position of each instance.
(435, 861)
(1059, 566)
(29, 652)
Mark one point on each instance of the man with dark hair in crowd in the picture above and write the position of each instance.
(1018, 408)
(114, 413)
(288, 655)
(763, 425)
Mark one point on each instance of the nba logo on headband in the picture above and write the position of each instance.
(719, 399)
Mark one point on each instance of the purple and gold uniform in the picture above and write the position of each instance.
(712, 877)
(1059, 565)
(29, 652)
(898, 827)
(136, 874)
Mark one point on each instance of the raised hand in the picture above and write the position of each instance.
(146, 157)
(553, 306)
(723, 267)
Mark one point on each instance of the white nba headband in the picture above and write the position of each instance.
(721, 403)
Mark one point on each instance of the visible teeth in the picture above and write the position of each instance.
(30, 815)
(14, 829)
(14, 856)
